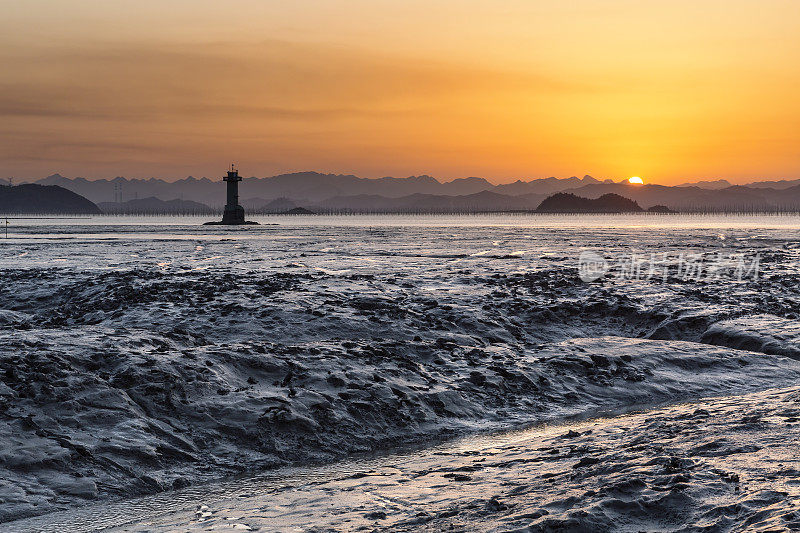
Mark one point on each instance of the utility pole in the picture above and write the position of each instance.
(6, 227)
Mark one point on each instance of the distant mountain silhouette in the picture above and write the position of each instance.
(543, 186)
(278, 205)
(569, 203)
(307, 187)
(485, 201)
(779, 185)
(734, 198)
(111, 190)
(716, 184)
(154, 206)
(348, 193)
(30, 198)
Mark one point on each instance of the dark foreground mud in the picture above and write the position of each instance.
(166, 369)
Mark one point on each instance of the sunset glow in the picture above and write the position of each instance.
(508, 90)
(636, 180)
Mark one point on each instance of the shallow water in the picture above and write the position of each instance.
(720, 463)
(366, 243)
(146, 512)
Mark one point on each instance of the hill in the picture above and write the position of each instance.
(298, 211)
(30, 198)
(570, 203)
(278, 205)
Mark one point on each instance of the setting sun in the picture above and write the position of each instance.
(636, 180)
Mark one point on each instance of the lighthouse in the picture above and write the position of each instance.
(234, 213)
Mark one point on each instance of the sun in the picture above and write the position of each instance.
(636, 180)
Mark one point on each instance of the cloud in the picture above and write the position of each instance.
(273, 101)
(272, 80)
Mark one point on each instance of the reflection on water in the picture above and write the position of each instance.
(146, 510)
(345, 244)
(723, 462)
(193, 224)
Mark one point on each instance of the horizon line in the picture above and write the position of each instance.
(686, 181)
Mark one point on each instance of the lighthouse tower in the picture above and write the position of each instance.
(234, 213)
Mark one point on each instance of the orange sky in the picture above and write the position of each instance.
(670, 91)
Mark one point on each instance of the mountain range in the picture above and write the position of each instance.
(348, 193)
